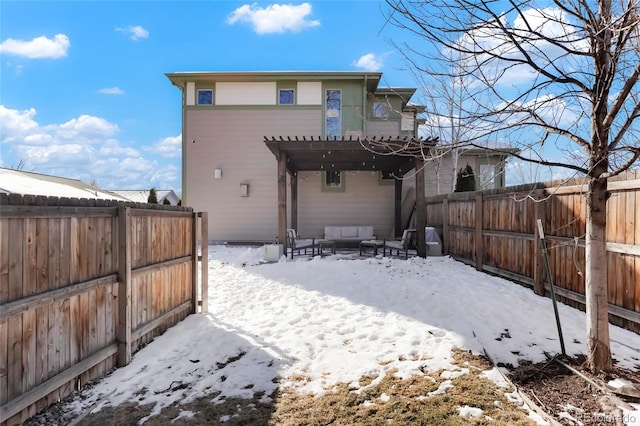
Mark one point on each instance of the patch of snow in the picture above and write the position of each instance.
(496, 377)
(567, 416)
(442, 389)
(469, 412)
(454, 374)
(184, 414)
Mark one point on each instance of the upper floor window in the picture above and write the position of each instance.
(333, 113)
(286, 96)
(381, 109)
(205, 96)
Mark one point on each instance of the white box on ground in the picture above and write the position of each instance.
(272, 252)
(434, 249)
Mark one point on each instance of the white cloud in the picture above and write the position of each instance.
(86, 128)
(67, 154)
(111, 91)
(38, 48)
(16, 67)
(113, 147)
(85, 148)
(136, 31)
(16, 125)
(275, 18)
(169, 147)
(369, 62)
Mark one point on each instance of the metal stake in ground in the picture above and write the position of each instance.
(553, 293)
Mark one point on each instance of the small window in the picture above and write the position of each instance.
(333, 181)
(381, 109)
(205, 97)
(488, 176)
(286, 97)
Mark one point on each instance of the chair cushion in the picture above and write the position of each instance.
(302, 243)
(332, 233)
(365, 232)
(395, 244)
(350, 232)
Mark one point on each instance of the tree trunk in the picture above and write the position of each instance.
(599, 352)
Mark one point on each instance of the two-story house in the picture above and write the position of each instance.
(265, 151)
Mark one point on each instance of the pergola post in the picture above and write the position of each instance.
(421, 208)
(282, 199)
(397, 215)
(294, 201)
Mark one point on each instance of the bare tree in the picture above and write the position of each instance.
(442, 95)
(441, 99)
(20, 166)
(562, 72)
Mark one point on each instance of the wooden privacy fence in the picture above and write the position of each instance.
(83, 285)
(496, 231)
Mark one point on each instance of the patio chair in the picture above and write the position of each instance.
(402, 246)
(299, 245)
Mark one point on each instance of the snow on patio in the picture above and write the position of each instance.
(337, 318)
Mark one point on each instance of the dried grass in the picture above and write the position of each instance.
(388, 401)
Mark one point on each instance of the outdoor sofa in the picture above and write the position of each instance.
(349, 236)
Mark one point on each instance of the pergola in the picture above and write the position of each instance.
(390, 155)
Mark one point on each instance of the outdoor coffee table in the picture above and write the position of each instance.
(326, 244)
(372, 245)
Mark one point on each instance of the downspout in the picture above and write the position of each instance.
(364, 107)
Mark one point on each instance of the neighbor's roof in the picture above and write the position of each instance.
(28, 183)
(142, 195)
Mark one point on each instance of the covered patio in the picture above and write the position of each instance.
(394, 156)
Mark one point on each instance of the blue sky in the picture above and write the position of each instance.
(83, 92)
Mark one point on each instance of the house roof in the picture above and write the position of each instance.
(494, 151)
(479, 151)
(393, 155)
(28, 183)
(142, 195)
(181, 78)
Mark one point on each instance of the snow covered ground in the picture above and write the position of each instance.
(336, 318)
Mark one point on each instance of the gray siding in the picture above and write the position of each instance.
(383, 128)
(364, 202)
(233, 140)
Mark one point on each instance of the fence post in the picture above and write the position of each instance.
(124, 286)
(204, 260)
(421, 208)
(538, 266)
(445, 226)
(478, 235)
(194, 263)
